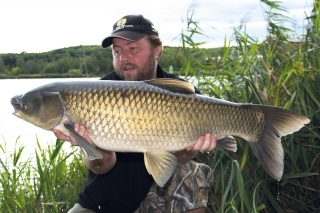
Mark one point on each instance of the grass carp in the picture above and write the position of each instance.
(156, 117)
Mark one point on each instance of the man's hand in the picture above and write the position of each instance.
(205, 143)
(99, 166)
(79, 129)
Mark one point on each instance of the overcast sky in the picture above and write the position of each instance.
(41, 26)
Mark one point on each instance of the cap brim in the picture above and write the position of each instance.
(127, 35)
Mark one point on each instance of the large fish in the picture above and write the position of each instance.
(156, 117)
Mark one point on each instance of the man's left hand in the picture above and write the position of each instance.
(205, 143)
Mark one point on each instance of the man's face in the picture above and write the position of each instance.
(134, 60)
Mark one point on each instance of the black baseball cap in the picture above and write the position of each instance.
(132, 28)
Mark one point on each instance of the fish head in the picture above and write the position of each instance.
(43, 109)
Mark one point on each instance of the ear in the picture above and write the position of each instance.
(52, 109)
(158, 51)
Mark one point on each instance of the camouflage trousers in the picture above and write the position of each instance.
(187, 189)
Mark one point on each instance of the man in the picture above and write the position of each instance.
(119, 182)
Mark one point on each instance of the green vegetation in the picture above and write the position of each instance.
(277, 71)
(81, 61)
(50, 182)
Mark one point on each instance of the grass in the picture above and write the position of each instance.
(275, 72)
(48, 183)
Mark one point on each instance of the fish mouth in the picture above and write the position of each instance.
(17, 113)
(16, 103)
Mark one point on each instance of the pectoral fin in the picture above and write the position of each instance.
(160, 164)
(227, 142)
(90, 150)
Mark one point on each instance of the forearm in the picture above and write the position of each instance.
(103, 165)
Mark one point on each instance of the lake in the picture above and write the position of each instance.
(12, 127)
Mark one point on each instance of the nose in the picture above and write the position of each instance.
(124, 56)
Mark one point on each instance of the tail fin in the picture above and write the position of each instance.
(268, 150)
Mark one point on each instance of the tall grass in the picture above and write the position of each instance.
(48, 182)
(277, 72)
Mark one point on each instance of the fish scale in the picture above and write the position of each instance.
(157, 117)
(149, 112)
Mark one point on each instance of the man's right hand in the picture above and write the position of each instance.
(99, 166)
(79, 129)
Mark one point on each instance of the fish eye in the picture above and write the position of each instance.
(24, 106)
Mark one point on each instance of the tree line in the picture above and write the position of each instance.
(83, 61)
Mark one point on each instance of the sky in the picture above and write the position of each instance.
(40, 26)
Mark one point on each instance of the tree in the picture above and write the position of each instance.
(3, 68)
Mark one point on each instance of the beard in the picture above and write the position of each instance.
(144, 72)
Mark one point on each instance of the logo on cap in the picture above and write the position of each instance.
(121, 22)
(154, 29)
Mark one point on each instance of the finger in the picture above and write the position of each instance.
(189, 148)
(73, 141)
(81, 130)
(206, 143)
(76, 127)
(213, 143)
(60, 135)
(64, 137)
(199, 143)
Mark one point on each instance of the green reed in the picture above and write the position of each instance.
(47, 182)
(275, 72)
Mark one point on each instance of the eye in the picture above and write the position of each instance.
(133, 48)
(116, 52)
(24, 106)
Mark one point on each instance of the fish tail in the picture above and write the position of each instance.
(268, 149)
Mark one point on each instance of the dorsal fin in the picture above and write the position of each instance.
(173, 85)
